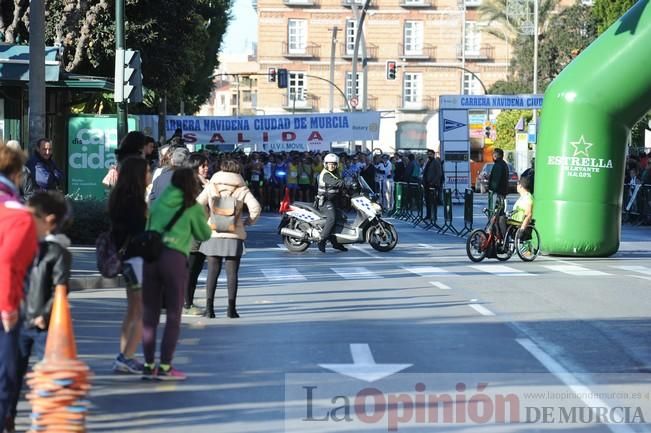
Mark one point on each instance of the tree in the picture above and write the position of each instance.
(566, 33)
(505, 126)
(178, 40)
(606, 12)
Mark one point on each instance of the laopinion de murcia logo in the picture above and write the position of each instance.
(580, 164)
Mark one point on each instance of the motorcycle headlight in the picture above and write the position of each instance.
(377, 208)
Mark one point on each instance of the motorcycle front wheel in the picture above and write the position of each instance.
(295, 245)
(382, 237)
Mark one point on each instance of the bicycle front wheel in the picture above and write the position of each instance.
(527, 244)
(477, 245)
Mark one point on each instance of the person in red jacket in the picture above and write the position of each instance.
(18, 243)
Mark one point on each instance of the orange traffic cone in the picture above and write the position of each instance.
(59, 383)
(284, 205)
(60, 345)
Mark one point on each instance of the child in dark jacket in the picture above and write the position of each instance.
(51, 269)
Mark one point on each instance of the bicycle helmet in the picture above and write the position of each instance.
(331, 157)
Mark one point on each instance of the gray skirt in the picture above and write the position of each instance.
(222, 247)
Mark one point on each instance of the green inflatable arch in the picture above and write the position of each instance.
(587, 115)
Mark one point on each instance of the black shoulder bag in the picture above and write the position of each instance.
(149, 244)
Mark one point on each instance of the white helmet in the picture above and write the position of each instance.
(331, 157)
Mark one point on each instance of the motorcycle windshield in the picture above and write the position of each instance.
(364, 186)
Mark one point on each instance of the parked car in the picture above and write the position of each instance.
(481, 184)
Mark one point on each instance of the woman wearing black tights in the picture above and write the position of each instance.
(227, 246)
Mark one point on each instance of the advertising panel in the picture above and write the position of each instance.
(91, 144)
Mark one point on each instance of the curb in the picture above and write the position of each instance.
(96, 282)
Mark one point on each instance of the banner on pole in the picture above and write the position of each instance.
(277, 133)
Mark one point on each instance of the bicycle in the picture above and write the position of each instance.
(490, 241)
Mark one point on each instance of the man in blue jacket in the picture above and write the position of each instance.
(45, 172)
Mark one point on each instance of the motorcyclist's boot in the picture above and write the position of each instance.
(321, 245)
(336, 245)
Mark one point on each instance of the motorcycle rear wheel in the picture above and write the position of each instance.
(295, 245)
(382, 239)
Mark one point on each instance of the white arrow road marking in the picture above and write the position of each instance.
(364, 366)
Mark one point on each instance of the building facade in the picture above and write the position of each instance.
(430, 41)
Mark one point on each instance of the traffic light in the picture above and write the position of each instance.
(271, 75)
(487, 132)
(282, 78)
(128, 76)
(392, 68)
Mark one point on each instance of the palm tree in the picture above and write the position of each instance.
(494, 13)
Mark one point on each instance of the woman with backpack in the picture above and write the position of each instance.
(178, 218)
(225, 194)
(128, 214)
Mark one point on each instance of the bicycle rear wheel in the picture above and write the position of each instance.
(527, 244)
(477, 245)
(507, 249)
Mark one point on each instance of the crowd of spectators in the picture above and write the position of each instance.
(268, 174)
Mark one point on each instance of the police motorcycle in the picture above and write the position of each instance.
(303, 223)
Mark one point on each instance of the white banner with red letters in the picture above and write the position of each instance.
(277, 133)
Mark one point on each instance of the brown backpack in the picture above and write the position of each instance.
(223, 212)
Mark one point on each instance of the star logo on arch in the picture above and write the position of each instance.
(581, 147)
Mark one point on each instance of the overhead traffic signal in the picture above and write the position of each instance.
(282, 78)
(392, 68)
(128, 76)
(271, 75)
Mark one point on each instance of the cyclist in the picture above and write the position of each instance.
(523, 207)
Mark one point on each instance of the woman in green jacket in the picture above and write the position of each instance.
(167, 276)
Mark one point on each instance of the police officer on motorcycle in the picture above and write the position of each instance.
(328, 193)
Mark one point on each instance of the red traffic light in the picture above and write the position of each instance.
(392, 69)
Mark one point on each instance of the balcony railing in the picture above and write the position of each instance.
(305, 102)
(485, 52)
(301, 3)
(416, 3)
(360, 3)
(426, 103)
(372, 51)
(428, 52)
(311, 51)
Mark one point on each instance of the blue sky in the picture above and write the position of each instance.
(242, 30)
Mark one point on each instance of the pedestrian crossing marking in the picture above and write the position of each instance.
(502, 270)
(354, 273)
(284, 275)
(575, 270)
(428, 271)
(639, 269)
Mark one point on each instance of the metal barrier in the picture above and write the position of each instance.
(410, 199)
(447, 213)
(636, 204)
(468, 210)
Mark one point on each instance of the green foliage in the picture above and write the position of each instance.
(90, 218)
(560, 35)
(505, 125)
(511, 87)
(178, 41)
(606, 12)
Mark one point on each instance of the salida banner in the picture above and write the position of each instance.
(277, 133)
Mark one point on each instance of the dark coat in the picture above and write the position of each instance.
(432, 174)
(498, 180)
